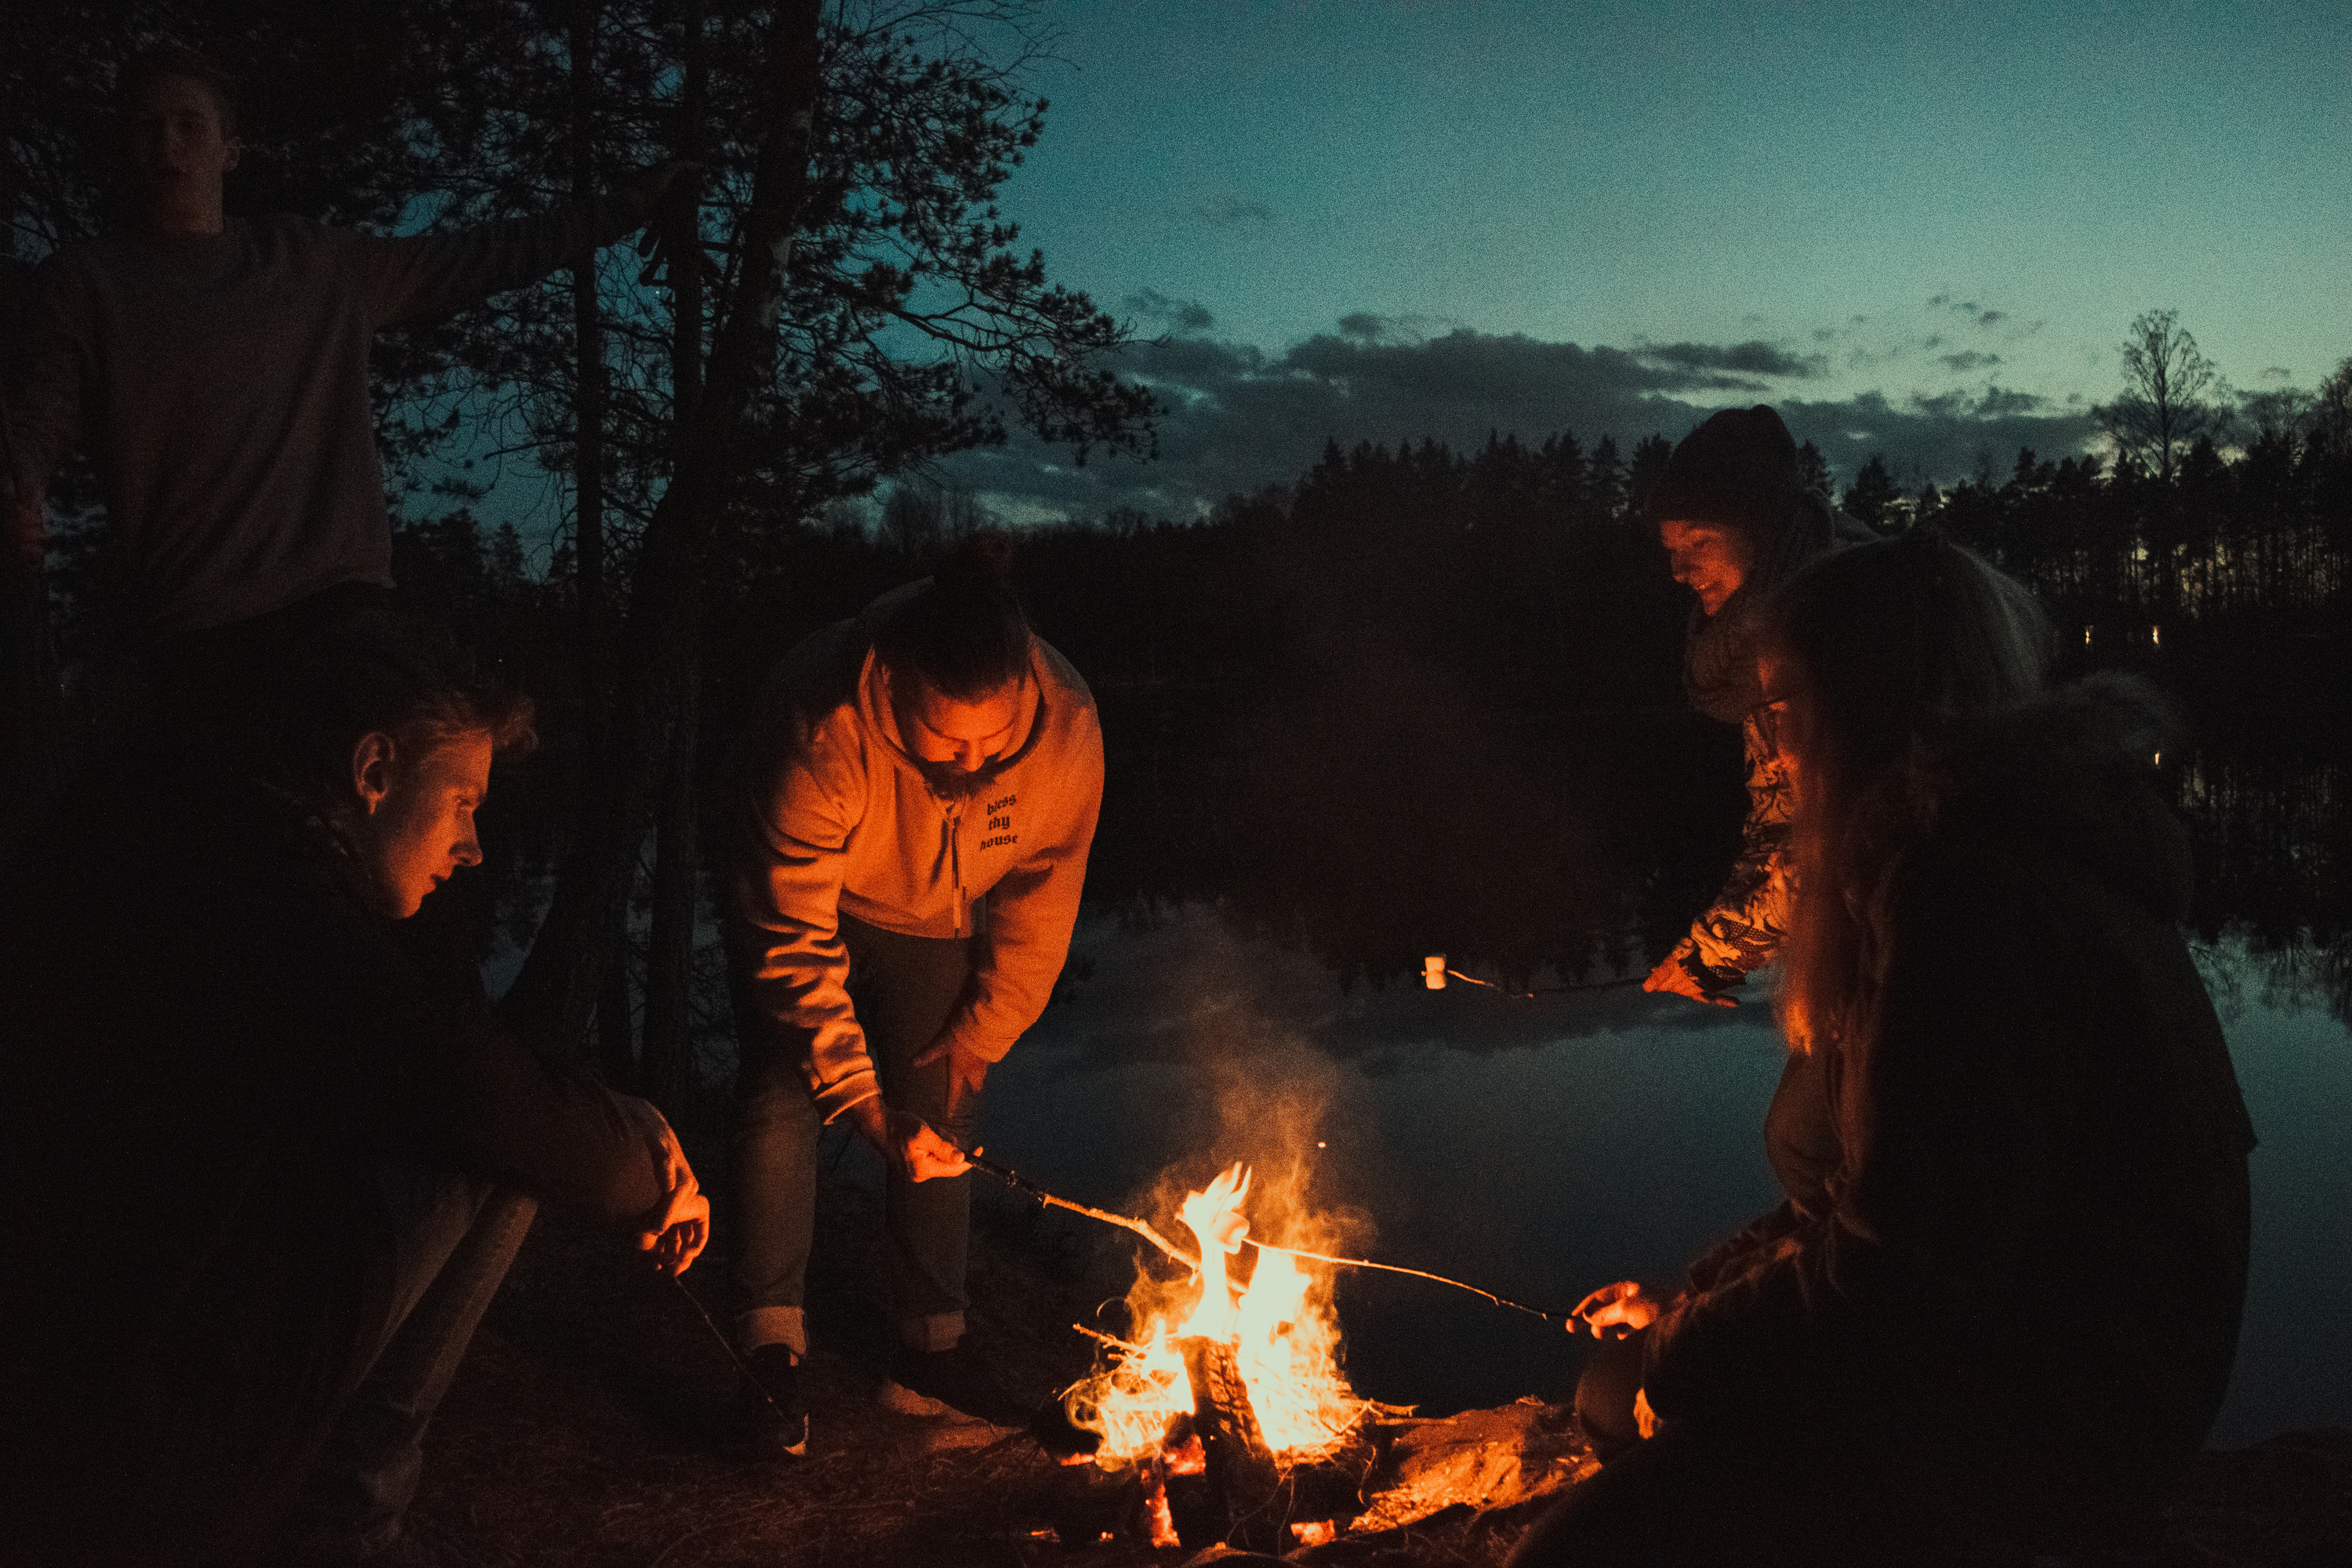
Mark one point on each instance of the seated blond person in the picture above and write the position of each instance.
(262, 1116)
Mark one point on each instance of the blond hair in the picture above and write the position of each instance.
(1887, 654)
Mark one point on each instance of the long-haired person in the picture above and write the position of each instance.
(1998, 1316)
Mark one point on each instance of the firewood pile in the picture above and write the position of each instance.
(1214, 1482)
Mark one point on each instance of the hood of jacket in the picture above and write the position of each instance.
(879, 714)
(2074, 774)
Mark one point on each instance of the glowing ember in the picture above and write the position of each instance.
(1279, 1319)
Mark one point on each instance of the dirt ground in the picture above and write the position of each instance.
(583, 1429)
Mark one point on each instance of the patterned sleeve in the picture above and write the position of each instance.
(1742, 930)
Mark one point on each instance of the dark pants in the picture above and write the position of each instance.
(1750, 1492)
(1703, 1495)
(456, 1237)
(904, 989)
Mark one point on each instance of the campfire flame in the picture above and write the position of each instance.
(1278, 1318)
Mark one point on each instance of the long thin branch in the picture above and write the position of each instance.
(1015, 1179)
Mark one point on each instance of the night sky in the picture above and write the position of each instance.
(1921, 230)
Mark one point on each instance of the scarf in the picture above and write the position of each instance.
(1720, 650)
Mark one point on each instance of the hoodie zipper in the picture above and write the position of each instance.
(951, 813)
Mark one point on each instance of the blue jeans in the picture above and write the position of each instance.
(904, 989)
(455, 1237)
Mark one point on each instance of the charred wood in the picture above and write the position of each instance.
(1243, 1476)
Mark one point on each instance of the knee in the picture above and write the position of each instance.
(769, 1107)
(1604, 1393)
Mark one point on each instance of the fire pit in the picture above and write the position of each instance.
(1226, 1416)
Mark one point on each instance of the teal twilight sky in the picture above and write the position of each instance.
(1921, 230)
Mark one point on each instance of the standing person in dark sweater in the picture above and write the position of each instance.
(216, 367)
(256, 1111)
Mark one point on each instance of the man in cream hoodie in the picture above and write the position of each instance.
(914, 799)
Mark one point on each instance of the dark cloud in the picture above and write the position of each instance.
(1966, 360)
(1226, 212)
(1993, 402)
(1176, 315)
(1979, 314)
(1241, 419)
(1366, 327)
(1997, 403)
(1749, 358)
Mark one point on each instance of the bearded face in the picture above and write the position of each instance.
(950, 782)
(960, 746)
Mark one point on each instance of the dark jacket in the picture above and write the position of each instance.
(212, 1043)
(2028, 1259)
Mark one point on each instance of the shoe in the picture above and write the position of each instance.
(958, 1378)
(770, 1422)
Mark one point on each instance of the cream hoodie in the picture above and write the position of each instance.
(837, 819)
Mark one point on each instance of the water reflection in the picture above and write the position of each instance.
(1538, 1148)
(1273, 865)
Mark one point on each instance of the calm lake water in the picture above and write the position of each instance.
(1538, 1148)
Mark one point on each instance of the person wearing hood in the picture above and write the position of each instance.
(913, 799)
(1996, 1322)
(1737, 520)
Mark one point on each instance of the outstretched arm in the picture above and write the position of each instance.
(420, 278)
(1743, 929)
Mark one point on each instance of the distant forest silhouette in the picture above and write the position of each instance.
(1428, 701)
(1418, 700)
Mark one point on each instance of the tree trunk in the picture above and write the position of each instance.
(668, 1045)
(554, 994)
(668, 1051)
(588, 404)
(616, 1035)
(29, 720)
(30, 724)
(617, 1051)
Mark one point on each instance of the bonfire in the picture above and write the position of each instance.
(1231, 1394)
(1275, 1319)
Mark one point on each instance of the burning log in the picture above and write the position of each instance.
(1227, 1414)
(1243, 1475)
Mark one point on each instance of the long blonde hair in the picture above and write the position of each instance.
(1886, 653)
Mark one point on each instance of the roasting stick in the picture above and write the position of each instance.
(1416, 1273)
(1540, 990)
(1020, 1183)
(727, 1343)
